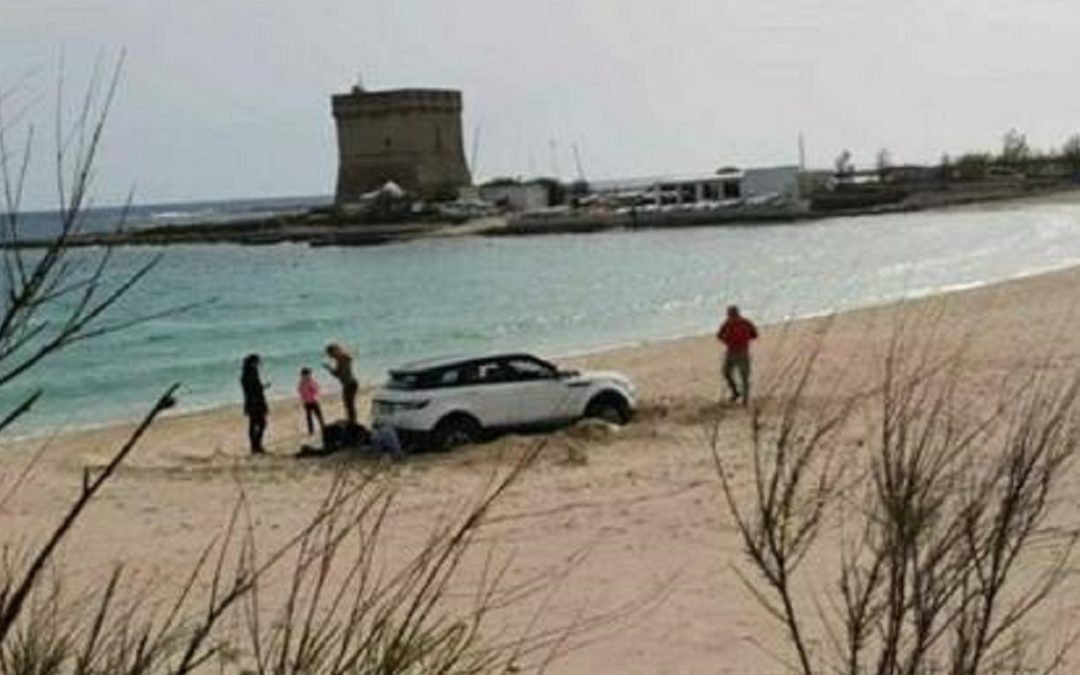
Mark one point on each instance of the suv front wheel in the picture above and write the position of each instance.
(609, 407)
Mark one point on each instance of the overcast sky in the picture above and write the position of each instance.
(230, 98)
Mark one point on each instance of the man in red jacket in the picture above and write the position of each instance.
(736, 334)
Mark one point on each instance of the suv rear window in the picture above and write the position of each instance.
(403, 381)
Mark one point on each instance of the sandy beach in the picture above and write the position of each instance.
(642, 505)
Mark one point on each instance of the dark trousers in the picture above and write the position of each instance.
(313, 412)
(256, 429)
(348, 397)
(738, 364)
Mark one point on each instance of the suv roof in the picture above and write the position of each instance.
(438, 363)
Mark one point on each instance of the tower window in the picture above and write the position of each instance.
(438, 139)
(388, 143)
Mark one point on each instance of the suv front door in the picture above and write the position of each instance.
(542, 396)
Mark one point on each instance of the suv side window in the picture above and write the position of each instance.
(469, 375)
(527, 369)
(451, 377)
(493, 372)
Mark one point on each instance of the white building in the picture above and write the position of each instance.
(524, 197)
(775, 180)
(726, 186)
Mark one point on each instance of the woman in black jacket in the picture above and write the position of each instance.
(254, 402)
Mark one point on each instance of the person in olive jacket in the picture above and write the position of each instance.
(341, 367)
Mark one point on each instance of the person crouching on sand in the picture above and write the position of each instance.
(308, 389)
(736, 333)
(342, 369)
(254, 402)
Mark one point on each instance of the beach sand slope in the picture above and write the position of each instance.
(642, 504)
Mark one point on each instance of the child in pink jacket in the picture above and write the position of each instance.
(308, 389)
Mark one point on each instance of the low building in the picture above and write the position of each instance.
(694, 189)
(724, 186)
(521, 197)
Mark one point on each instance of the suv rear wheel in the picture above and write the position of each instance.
(609, 407)
(454, 431)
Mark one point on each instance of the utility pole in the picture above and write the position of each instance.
(802, 153)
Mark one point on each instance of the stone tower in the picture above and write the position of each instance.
(409, 136)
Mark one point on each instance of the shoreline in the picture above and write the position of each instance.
(576, 357)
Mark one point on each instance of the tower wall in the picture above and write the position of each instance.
(411, 136)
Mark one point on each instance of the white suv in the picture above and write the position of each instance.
(452, 401)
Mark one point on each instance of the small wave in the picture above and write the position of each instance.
(173, 215)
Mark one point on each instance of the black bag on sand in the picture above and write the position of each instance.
(341, 434)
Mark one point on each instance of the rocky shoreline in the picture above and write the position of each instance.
(322, 227)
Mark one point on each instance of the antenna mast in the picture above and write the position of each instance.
(577, 161)
(474, 159)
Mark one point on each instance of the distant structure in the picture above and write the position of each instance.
(412, 137)
(726, 184)
(517, 196)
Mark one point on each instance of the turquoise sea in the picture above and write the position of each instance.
(556, 295)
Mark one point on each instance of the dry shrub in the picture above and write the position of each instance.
(940, 544)
(345, 611)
